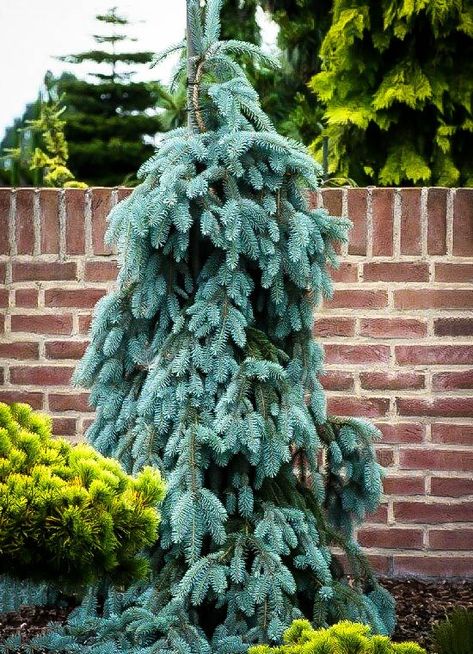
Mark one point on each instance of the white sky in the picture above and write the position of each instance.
(33, 32)
(36, 31)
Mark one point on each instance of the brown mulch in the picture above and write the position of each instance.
(30, 621)
(419, 605)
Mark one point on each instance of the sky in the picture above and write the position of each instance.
(34, 32)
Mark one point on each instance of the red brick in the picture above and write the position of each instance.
(392, 381)
(453, 327)
(69, 402)
(451, 486)
(463, 223)
(451, 539)
(357, 209)
(391, 537)
(358, 299)
(3, 272)
(41, 375)
(435, 459)
(380, 516)
(82, 298)
(433, 566)
(334, 326)
(433, 299)
(434, 354)
(395, 271)
(332, 199)
(452, 434)
(454, 272)
(87, 423)
(450, 381)
(411, 232)
(75, 221)
(437, 220)
(347, 272)
(64, 426)
(368, 407)
(402, 432)
(100, 271)
(101, 204)
(433, 512)
(454, 407)
(26, 297)
(2, 323)
(42, 324)
(84, 323)
(384, 456)
(43, 270)
(65, 349)
(5, 197)
(381, 565)
(356, 354)
(49, 217)
(392, 327)
(382, 204)
(404, 485)
(4, 298)
(34, 399)
(19, 350)
(24, 221)
(124, 192)
(335, 380)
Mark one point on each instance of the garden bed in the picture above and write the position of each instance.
(419, 605)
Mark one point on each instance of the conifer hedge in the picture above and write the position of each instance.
(396, 83)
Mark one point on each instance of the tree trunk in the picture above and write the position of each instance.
(194, 254)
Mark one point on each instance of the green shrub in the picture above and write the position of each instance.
(66, 512)
(342, 638)
(455, 634)
(396, 87)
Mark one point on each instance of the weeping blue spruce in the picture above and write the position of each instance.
(202, 363)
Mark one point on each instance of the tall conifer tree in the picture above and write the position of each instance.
(201, 363)
(111, 120)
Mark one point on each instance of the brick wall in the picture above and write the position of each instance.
(398, 339)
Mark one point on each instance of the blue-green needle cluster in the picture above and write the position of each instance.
(202, 364)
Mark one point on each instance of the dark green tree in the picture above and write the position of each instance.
(302, 27)
(284, 93)
(397, 88)
(109, 122)
(19, 139)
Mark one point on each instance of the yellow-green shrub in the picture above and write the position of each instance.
(341, 638)
(66, 512)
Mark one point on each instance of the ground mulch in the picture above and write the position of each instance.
(30, 621)
(420, 604)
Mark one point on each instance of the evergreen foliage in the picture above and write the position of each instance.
(396, 84)
(68, 514)
(110, 121)
(454, 635)
(283, 92)
(200, 364)
(34, 150)
(16, 147)
(302, 27)
(342, 638)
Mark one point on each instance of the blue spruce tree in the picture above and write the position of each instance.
(202, 363)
